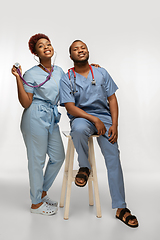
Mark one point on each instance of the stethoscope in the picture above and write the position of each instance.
(73, 90)
(17, 65)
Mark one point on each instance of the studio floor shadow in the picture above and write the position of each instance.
(17, 222)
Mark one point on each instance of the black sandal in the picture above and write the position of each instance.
(130, 217)
(84, 174)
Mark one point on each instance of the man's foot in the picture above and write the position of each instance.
(125, 216)
(82, 177)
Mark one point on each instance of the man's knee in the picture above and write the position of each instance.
(80, 127)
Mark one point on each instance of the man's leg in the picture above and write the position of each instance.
(115, 177)
(81, 130)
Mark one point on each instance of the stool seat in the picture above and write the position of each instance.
(69, 176)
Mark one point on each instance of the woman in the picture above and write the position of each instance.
(39, 123)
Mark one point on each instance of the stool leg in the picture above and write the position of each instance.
(90, 190)
(95, 181)
(65, 175)
(69, 182)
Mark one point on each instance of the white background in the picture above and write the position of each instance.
(123, 37)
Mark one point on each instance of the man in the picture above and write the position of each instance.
(88, 93)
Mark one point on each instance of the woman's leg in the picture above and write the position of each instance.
(56, 155)
(35, 137)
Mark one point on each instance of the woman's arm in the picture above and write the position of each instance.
(79, 113)
(24, 98)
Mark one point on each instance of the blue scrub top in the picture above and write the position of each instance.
(90, 98)
(48, 92)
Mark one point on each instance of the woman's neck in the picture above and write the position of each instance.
(46, 64)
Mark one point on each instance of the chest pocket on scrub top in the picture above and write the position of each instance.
(101, 90)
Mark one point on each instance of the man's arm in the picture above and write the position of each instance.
(79, 113)
(113, 105)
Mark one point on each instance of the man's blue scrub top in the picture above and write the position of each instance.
(90, 98)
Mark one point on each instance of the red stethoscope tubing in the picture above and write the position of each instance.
(69, 75)
(73, 91)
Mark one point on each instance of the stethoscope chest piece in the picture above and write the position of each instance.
(17, 65)
(93, 82)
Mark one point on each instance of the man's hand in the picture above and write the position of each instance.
(113, 134)
(79, 113)
(100, 127)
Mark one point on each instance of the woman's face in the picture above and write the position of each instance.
(44, 49)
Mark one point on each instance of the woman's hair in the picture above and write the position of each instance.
(34, 39)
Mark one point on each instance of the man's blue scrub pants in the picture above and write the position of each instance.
(35, 126)
(81, 130)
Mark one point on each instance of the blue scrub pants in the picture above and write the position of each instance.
(35, 126)
(81, 130)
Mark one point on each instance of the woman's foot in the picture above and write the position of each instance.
(49, 201)
(35, 206)
(46, 199)
(44, 209)
(125, 216)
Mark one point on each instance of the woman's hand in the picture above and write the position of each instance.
(95, 65)
(25, 98)
(113, 134)
(14, 71)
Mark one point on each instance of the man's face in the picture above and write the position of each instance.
(79, 52)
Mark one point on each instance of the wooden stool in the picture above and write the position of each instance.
(69, 177)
